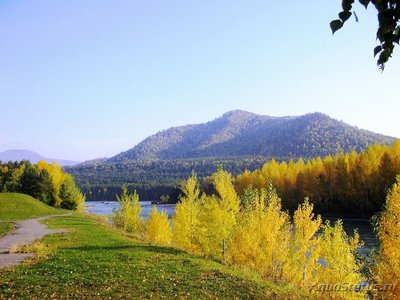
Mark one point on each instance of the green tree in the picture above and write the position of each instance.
(38, 184)
(71, 197)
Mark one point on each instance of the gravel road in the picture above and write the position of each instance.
(26, 233)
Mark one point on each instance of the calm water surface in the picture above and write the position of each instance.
(105, 207)
(364, 227)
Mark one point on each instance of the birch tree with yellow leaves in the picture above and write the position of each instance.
(218, 216)
(158, 228)
(304, 251)
(340, 272)
(57, 177)
(186, 219)
(127, 216)
(260, 240)
(386, 272)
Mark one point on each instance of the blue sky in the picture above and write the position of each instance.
(87, 79)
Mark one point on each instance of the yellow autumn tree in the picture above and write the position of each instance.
(57, 177)
(127, 216)
(223, 184)
(386, 272)
(218, 216)
(302, 263)
(186, 218)
(340, 272)
(158, 228)
(260, 240)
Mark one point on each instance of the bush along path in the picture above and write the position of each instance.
(26, 233)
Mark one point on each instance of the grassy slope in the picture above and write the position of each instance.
(14, 206)
(97, 261)
(5, 227)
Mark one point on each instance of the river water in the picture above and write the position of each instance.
(105, 207)
(364, 227)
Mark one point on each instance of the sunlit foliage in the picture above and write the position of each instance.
(127, 216)
(339, 262)
(254, 232)
(158, 228)
(186, 218)
(260, 241)
(353, 182)
(303, 256)
(45, 182)
(57, 177)
(71, 197)
(218, 216)
(387, 270)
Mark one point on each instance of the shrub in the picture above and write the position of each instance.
(158, 228)
(128, 215)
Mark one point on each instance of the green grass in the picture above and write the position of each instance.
(97, 261)
(14, 206)
(5, 227)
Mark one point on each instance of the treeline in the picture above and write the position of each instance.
(43, 181)
(317, 260)
(344, 183)
(146, 192)
(151, 179)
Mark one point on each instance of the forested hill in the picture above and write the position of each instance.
(243, 134)
(236, 141)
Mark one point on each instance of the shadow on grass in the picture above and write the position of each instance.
(144, 248)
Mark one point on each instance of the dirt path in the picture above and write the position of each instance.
(26, 232)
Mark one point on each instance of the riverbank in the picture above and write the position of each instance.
(362, 225)
(97, 261)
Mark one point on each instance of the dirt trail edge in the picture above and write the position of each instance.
(25, 233)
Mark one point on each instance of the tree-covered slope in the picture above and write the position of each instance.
(236, 141)
(239, 133)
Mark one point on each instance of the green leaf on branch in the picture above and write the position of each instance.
(364, 3)
(396, 35)
(377, 50)
(345, 15)
(347, 4)
(336, 25)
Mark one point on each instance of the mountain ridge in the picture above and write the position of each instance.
(240, 133)
(33, 157)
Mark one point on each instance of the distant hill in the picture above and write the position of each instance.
(236, 141)
(33, 157)
(94, 162)
(244, 134)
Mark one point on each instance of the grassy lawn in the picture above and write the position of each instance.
(97, 261)
(14, 206)
(5, 227)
